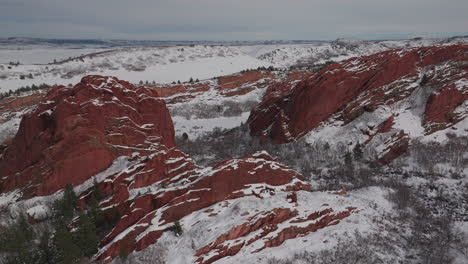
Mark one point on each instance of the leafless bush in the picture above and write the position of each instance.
(400, 196)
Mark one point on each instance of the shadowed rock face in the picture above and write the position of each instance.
(346, 90)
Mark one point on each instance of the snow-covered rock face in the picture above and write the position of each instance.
(424, 90)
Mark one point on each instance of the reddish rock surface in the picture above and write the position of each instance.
(346, 90)
(15, 104)
(228, 180)
(393, 147)
(78, 132)
(231, 85)
(441, 107)
(385, 127)
(226, 86)
(14, 107)
(265, 227)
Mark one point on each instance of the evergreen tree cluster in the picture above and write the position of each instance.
(262, 68)
(24, 89)
(311, 66)
(73, 236)
(177, 229)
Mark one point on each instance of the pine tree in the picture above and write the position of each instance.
(45, 254)
(348, 160)
(95, 213)
(97, 192)
(177, 228)
(86, 237)
(18, 243)
(94, 209)
(357, 150)
(65, 207)
(185, 136)
(66, 251)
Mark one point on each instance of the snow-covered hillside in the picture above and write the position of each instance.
(284, 55)
(41, 55)
(158, 64)
(173, 62)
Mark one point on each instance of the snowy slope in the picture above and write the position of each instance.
(201, 227)
(158, 64)
(286, 55)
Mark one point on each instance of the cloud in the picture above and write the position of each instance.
(228, 20)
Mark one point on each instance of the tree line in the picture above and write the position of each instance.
(72, 236)
(24, 89)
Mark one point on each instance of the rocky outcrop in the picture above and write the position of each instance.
(151, 214)
(344, 91)
(447, 107)
(11, 111)
(107, 131)
(270, 229)
(77, 132)
(393, 147)
(229, 86)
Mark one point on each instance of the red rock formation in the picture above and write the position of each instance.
(385, 127)
(393, 147)
(14, 104)
(268, 223)
(14, 107)
(229, 86)
(229, 180)
(441, 107)
(171, 90)
(79, 131)
(239, 80)
(348, 89)
(121, 136)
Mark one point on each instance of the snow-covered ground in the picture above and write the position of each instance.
(200, 126)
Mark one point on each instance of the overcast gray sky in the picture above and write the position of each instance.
(232, 20)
